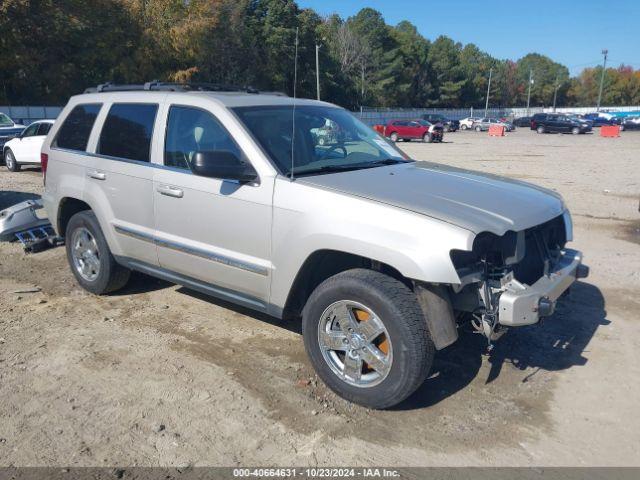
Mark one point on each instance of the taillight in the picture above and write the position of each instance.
(44, 160)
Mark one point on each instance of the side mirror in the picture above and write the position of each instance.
(224, 165)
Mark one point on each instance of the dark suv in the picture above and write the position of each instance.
(448, 125)
(558, 123)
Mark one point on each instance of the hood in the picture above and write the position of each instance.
(11, 131)
(475, 201)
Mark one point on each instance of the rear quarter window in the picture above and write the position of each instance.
(76, 128)
(127, 131)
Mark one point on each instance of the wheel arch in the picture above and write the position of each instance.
(326, 263)
(67, 208)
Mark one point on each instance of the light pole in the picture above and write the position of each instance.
(555, 92)
(605, 52)
(486, 105)
(529, 92)
(318, 70)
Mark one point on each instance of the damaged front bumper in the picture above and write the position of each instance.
(522, 304)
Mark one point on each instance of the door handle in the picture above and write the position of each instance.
(97, 175)
(170, 191)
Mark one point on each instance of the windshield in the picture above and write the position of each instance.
(326, 139)
(5, 121)
(424, 123)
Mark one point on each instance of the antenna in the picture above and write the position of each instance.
(293, 128)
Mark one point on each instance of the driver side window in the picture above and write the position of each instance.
(191, 130)
(31, 130)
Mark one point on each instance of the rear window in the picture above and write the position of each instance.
(74, 132)
(127, 131)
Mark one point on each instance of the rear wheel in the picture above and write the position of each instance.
(478, 129)
(90, 258)
(367, 339)
(10, 161)
(463, 127)
(540, 129)
(394, 137)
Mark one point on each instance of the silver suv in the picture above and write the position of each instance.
(232, 194)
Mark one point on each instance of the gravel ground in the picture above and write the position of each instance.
(158, 375)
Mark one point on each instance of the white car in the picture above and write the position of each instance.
(467, 123)
(25, 148)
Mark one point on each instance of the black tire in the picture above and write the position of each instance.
(398, 309)
(427, 138)
(540, 129)
(575, 130)
(112, 276)
(10, 161)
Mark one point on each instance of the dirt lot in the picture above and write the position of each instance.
(159, 375)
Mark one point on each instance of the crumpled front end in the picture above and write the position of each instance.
(517, 278)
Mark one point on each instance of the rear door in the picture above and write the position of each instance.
(119, 176)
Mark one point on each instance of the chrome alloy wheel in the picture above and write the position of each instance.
(9, 161)
(85, 254)
(355, 343)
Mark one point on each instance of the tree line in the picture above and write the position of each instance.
(52, 49)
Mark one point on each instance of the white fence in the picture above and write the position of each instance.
(28, 114)
(371, 116)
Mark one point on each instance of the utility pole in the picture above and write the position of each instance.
(605, 52)
(555, 92)
(318, 69)
(529, 92)
(486, 105)
(362, 93)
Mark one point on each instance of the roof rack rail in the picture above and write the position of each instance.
(156, 85)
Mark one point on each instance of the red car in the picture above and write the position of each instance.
(423, 130)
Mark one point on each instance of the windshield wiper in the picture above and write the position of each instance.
(354, 166)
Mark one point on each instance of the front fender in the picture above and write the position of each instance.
(415, 245)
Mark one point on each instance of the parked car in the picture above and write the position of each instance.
(407, 130)
(558, 123)
(602, 119)
(483, 124)
(448, 125)
(8, 130)
(377, 255)
(522, 121)
(630, 123)
(467, 123)
(24, 149)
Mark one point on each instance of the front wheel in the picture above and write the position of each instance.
(540, 129)
(90, 258)
(367, 338)
(478, 129)
(11, 162)
(575, 130)
(427, 138)
(463, 127)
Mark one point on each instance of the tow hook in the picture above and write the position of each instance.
(545, 307)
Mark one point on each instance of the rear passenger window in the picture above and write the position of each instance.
(74, 132)
(44, 128)
(127, 131)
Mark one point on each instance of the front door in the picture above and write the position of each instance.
(214, 231)
(25, 147)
